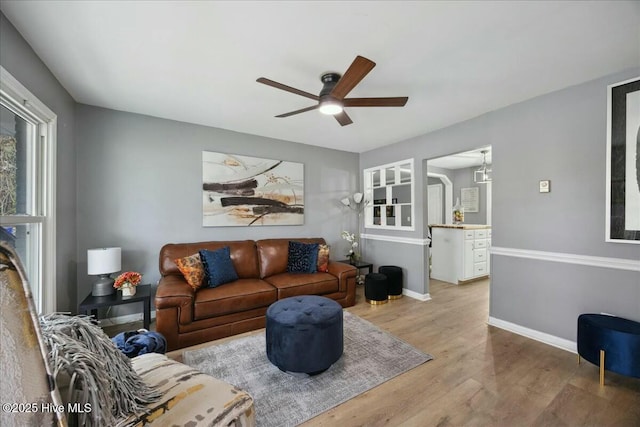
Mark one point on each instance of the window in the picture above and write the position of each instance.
(27, 185)
(389, 188)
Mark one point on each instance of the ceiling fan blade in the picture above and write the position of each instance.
(287, 88)
(343, 119)
(303, 110)
(375, 102)
(358, 69)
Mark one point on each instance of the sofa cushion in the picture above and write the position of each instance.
(241, 295)
(303, 257)
(243, 255)
(273, 254)
(291, 284)
(218, 266)
(192, 269)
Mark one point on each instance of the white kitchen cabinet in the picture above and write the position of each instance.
(460, 252)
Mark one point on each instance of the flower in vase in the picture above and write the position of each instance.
(128, 279)
(351, 238)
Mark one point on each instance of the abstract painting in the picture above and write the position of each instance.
(623, 162)
(250, 191)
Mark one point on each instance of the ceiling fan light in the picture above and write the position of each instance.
(330, 108)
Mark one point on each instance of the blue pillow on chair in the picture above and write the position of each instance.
(218, 266)
(303, 257)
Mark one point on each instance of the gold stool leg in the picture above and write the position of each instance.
(602, 367)
(578, 358)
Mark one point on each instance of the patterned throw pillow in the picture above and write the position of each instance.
(192, 269)
(218, 266)
(303, 257)
(323, 258)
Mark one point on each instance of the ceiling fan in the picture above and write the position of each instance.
(335, 87)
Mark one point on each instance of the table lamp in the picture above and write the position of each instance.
(102, 262)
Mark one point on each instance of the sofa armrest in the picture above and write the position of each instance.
(189, 395)
(173, 291)
(343, 272)
(174, 307)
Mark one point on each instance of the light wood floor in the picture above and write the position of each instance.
(480, 375)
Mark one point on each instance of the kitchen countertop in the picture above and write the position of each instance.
(462, 226)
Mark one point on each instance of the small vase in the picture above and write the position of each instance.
(128, 290)
(458, 212)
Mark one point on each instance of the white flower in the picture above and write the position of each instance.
(349, 237)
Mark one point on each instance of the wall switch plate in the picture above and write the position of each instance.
(545, 186)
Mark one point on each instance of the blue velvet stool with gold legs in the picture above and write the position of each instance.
(304, 334)
(610, 342)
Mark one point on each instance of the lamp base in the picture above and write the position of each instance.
(103, 286)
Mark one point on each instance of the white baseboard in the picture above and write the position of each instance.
(551, 340)
(128, 318)
(415, 295)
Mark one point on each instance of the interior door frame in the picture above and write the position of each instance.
(448, 195)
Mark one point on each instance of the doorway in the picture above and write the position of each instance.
(456, 172)
(459, 254)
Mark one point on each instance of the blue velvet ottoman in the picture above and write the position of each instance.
(304, 334)
(610, 342)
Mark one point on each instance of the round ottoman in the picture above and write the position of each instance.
(610, 342)
(376, 288)
(394, 280)
(304, 334)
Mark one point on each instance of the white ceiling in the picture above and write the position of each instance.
(197, 61)
(462, 160)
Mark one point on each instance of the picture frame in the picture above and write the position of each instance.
(239, 190)
(470, 199)
(623, 162)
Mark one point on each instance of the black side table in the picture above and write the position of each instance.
(359, 265)
(143, 293)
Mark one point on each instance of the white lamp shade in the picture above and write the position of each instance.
(345, 201)
(103, 260)
(357, 197)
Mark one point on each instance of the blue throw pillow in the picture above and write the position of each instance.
(303, 257)
(218, 266)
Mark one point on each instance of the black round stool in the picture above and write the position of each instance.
(394, 280)
(376, 288)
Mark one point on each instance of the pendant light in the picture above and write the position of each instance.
(483, 175)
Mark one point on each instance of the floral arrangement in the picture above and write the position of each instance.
(130, 277)
(351, 238)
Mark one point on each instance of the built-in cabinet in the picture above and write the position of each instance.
(389, 195)
(460, 252)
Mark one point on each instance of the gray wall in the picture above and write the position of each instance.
(140, 180)
(17, 57)
(463, 178)
(560, 136)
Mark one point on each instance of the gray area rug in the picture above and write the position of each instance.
(371, 357)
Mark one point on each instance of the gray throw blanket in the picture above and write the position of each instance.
(98, 374)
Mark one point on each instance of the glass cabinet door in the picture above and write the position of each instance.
(389, 189)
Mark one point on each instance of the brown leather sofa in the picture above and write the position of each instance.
(187, 317)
